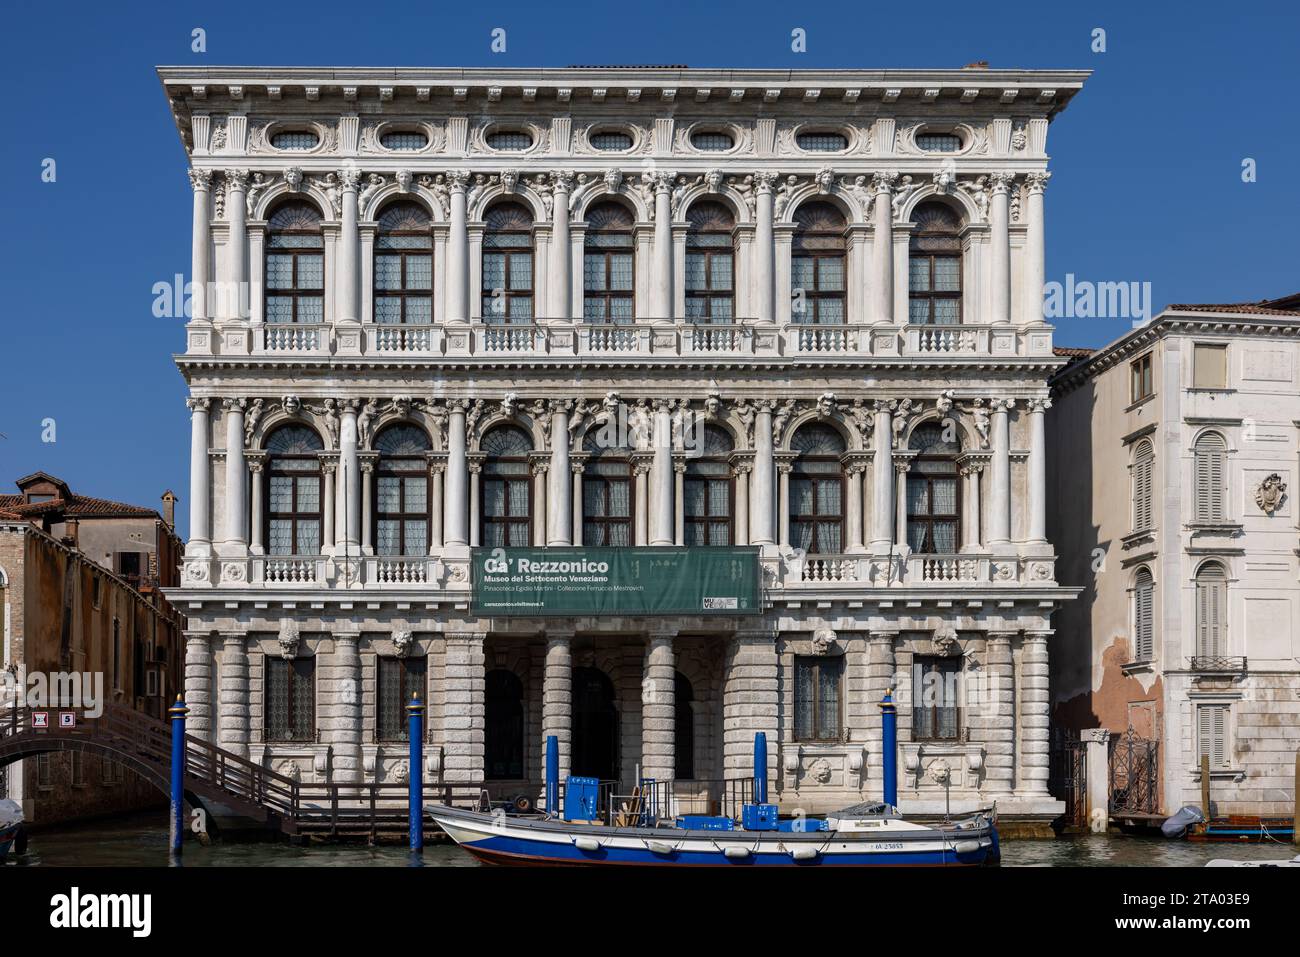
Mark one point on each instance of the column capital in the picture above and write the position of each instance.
(972, 463)
(1002, 405)
(368, 461)
(1000, 637)
(882, 182)
(198, 403)
(538, 462)
(233, 405)
(200, 179)
(457, 180)
(1036, 183)
(1039, 405)
(876, 637)
(903, 460)
(437, 462)
(236, 179)
(785, 461)
(1000, 183)
(578, 462)
(464, 637)
(256, 459)
(474, 462)
(764, 180)
(562, 180)
(199, 634)
(349, 178)
(328, 461)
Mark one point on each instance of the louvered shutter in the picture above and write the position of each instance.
(1143, 617)
(1142, 487)
(1209, 458)
(1212, 730)
(1211, 587)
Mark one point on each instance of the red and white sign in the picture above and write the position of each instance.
(40, 719)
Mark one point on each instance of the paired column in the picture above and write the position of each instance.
(232, 719)
(662, 301)
(559, 493)
(236, 292)
(1038, 471)
(1000, 474)
(557, 696)
(1000, 220)
(236, 544)
(882, 480)
(456, 519)
(464, 717)
(349, 264)
(1034, 719)
(1000, 733)
(1035, 246)
(882, 249)
(662, 510)
(458, 249)
(201, 180)
(200, 543)
(658, 709)
(340, 708)
(763, 480)
(198, 684)
(560, 252)
(764, 250)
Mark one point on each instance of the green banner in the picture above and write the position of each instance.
(519, 582)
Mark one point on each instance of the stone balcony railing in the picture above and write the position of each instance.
(645, 338)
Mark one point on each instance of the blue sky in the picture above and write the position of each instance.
(1147, 162)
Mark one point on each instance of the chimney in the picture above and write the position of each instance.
(169, 509)
(70, 537)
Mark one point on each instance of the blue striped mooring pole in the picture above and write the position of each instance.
(177, 713)
(552, 774)
(415, 778)
(889, 747)
(760, 768)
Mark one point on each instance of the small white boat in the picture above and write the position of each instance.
(11, 824)
(1229, 862)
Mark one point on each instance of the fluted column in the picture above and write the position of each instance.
(235, 294)
(1000, 258)
(232, 719)
(661, 302)
(764, 248)
(1035, 246)
(882, 480)
(456, 519)
(559, 501)
(662, 510)
(198, 684)
(557, 695)
(458, 249)
(464, 718)
(236, 478)
(561, 268)
(882, 249)
(1034, 715)
(349, 258)
(1038, 471)
(201, 250)
(200, 543)
(256, 498)
(658, 704)
(763, 481)
(340, 717)
(1000, 475)
(1001, 733)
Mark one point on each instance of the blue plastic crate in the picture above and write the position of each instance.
(759, 817)
(705, 822)
(581, 798)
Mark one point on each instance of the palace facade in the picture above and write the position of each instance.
(809, 303)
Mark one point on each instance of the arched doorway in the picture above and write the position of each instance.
(595, 725)
(504, 732)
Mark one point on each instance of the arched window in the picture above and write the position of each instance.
(707, 490)
(608, 266)
(1143, 469)
(934, 270)
(507, 487)
(402, 491)
(817, 265)
(508, 264)
(606, 495)
(710, 263)
(1211, 610)
(683, 728)
(295, 264)
(503, 739)
(933, 502)
(404, 265)
(817, 490)
(1144, 642)
(1209, 458)
(293, 514)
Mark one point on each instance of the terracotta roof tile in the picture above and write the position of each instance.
(1072, 353)
(1265, 307)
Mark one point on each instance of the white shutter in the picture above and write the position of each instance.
(1211, 595)
(1143, 617)
(1212, 734)
(1209, 456)
(1142, 487)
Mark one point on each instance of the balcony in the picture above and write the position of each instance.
(1217, 664)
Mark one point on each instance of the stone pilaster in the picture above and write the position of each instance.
(557, 696)
(749, 702)
(198, 684)
(200, 541)
(233, 712)
(339, 716)
(1034, 715)
(658, 702)
(235, 544)
(1000, 254)
(881, 677)
(464, 718)
(1000, 735)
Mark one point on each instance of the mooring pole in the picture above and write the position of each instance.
(1295, 802)
(1205, 787)
(889, 747)
(177, 713)
(552, 775)
(415, 778)
(760, 767)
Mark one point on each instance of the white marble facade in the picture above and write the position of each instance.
(827, 194)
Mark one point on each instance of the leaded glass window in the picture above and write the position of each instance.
(611, 141)
(508, 264)
(608, 266)
(295, 140)
(606, 496)
(936, 686)
(817, 490)
(404, 141)
(712, 141)
(295, 265)
(402, 491)
(290, 699)
(510, 141)
(817, 265)
(404, 265)
(295, 491)
(399, 679)
(822, 142)
(938, 142)
(707, 490)
(710, 264)
(933, 497)
(507, 492)
(818, 696)
(934, 267)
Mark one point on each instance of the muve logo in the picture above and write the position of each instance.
(76, 910)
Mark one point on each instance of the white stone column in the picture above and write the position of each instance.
(201, 250)
(1001, 724)
(200, 542)
(764, 248)
(661, 302)
(1038, 471)
(641, 465)
(882, 480)
(541, 466)
(458, 250)
(236, 293)
(679, 500)
(437, 469)
(559, 503)
(1000, 253)
(557, 696)
(256, 498)
(902, 465)
(741, 470)
(1035, 703)
(233, 716)
(970, 468)
(349, 510)
(464, 716)
(1097, 774)
(1035, 246)
(456, 519)
(329, 467)
(576, 465)
(881, 677)
(882, 249)
(340, 717)
(236, 544)
(750, 693)
(784, 465)
(658, 703)
(763, 482)
(560, 257)
(475, 466)
(854, 468)
(661, 532)
(1000, 475)
(368, 461)
(198, 684)
(348, 263)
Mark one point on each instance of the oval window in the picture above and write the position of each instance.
(611, 141)
(509, 141)
(711, 141)
(404, 140)
(938, 142)
(295, 140)
(822, 142)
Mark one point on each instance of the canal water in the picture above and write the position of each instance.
(140, 840)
